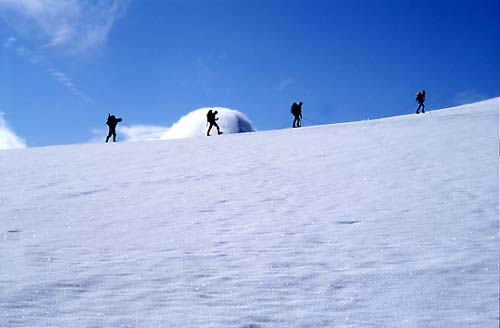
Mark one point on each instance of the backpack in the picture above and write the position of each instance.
(211, 116)
(294, 109)
(111, 119)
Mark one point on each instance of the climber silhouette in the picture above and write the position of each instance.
(297, 114)
(112, 122)
(420, 99)
(211, 119)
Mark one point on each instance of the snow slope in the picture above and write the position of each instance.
(382, 223)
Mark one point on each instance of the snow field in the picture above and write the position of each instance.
(383, 223)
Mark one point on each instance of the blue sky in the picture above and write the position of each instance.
(66, 63)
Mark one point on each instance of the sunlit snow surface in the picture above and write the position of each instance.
(384, 223)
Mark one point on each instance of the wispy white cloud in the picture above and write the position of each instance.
(39, 60)
(10, 41)
(76, 24)
(285, 83)
(68, 83)
(98, 135)
(73, 25)
(29, 55)
(8, 139)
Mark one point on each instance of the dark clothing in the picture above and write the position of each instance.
(211, 119)
(210, 128)
(420, 99)
(297, 114)
(112, 122)
(296, 122)
(296, 109)
(421, 105)
(112, 132)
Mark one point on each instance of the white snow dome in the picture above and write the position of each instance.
(194, 124)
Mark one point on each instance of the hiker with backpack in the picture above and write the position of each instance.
(211, 119)
(420, 99)
(297, 114)
(112, 122)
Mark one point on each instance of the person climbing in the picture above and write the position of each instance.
(297, 114)
(112, 122)
(420, 99)
(211, 119)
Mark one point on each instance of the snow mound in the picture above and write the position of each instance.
(194, 124)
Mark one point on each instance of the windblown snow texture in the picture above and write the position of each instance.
(194, 124)
(383, 223)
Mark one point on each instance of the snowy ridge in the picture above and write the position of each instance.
(380, 223)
